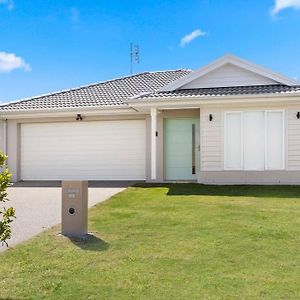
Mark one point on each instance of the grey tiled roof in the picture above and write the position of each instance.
(223, 91)
(103, 94)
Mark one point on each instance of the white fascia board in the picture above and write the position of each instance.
(236, 61)
(198, 101)
(23, 114)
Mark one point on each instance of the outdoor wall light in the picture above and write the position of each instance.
(78, 117)
(210, 117)
(298, 115)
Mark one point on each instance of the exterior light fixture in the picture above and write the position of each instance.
(210, 117)
(78, 117)
(298, 115)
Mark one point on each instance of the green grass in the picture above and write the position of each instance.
(180, 241)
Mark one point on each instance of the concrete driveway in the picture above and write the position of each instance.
(38, 205)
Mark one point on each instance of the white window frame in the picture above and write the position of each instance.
(241, 112)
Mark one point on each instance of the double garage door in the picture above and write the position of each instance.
(100, 150)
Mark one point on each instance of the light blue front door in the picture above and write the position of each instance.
(181, 148)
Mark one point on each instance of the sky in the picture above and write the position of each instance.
(47, 45)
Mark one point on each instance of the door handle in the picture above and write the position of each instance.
(193, 149)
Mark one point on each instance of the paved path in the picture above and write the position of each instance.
(38, 206)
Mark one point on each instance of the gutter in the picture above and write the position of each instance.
(214, 99)
(68, 112)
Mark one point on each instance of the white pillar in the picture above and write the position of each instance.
(5, 137)
(153, 142)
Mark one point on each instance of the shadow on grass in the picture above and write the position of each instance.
(90, 243)
(195, 189)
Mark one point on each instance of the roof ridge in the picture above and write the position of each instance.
(89, 85)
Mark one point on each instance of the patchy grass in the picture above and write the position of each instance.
(175, 241)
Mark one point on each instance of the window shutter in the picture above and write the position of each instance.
(233, 141)
(274, 140)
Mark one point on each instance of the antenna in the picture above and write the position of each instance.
(134, 55)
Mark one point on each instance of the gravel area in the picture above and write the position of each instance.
(38, 205)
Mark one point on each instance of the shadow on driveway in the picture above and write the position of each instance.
(92, 184)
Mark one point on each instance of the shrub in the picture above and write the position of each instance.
(6, 214)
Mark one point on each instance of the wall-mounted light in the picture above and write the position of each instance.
(298, 115)
(210, 117)
(78, 117)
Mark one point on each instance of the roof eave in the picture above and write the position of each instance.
(67, 112)
(272, 97)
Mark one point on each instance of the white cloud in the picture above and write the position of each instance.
(191, 36)
(283, 4)
(8, 3)
(10, 62)
(75, 15)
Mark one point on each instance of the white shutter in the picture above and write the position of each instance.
(254, 140)
(233, 141)
(274, 140)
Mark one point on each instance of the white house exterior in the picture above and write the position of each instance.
(230, 122)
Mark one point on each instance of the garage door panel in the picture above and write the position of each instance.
(83, 150)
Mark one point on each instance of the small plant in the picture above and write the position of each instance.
(6, 214)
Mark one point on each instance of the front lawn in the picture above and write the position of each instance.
(176, 241)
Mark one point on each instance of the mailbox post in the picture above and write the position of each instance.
(74, 208)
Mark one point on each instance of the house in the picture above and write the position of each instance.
(229, 122)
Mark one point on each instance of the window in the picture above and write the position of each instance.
(254, 140)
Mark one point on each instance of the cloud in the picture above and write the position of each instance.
(191, 36)
(284, 4)
(10, 62)
(8, 3)
(75, 15)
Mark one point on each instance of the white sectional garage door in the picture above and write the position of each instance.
(104, 150)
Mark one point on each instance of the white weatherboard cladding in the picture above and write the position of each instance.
(212, 139)
(104, 150)
(229, 75)
(211, 135)
(293, 139)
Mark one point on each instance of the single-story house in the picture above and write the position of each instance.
(229, 122)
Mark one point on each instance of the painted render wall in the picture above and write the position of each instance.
(212, 149)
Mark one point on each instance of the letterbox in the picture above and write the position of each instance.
(74, 208)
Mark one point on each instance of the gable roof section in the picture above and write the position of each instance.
(112, 93)
(229, 60)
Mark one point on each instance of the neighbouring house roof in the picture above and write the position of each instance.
(222, 91)
(110, 93)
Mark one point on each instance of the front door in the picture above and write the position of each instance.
(181, 148)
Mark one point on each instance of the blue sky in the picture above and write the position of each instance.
(48, 45)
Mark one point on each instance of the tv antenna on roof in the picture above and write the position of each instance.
(134, 56)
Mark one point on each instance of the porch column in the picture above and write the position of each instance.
(153, 142)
